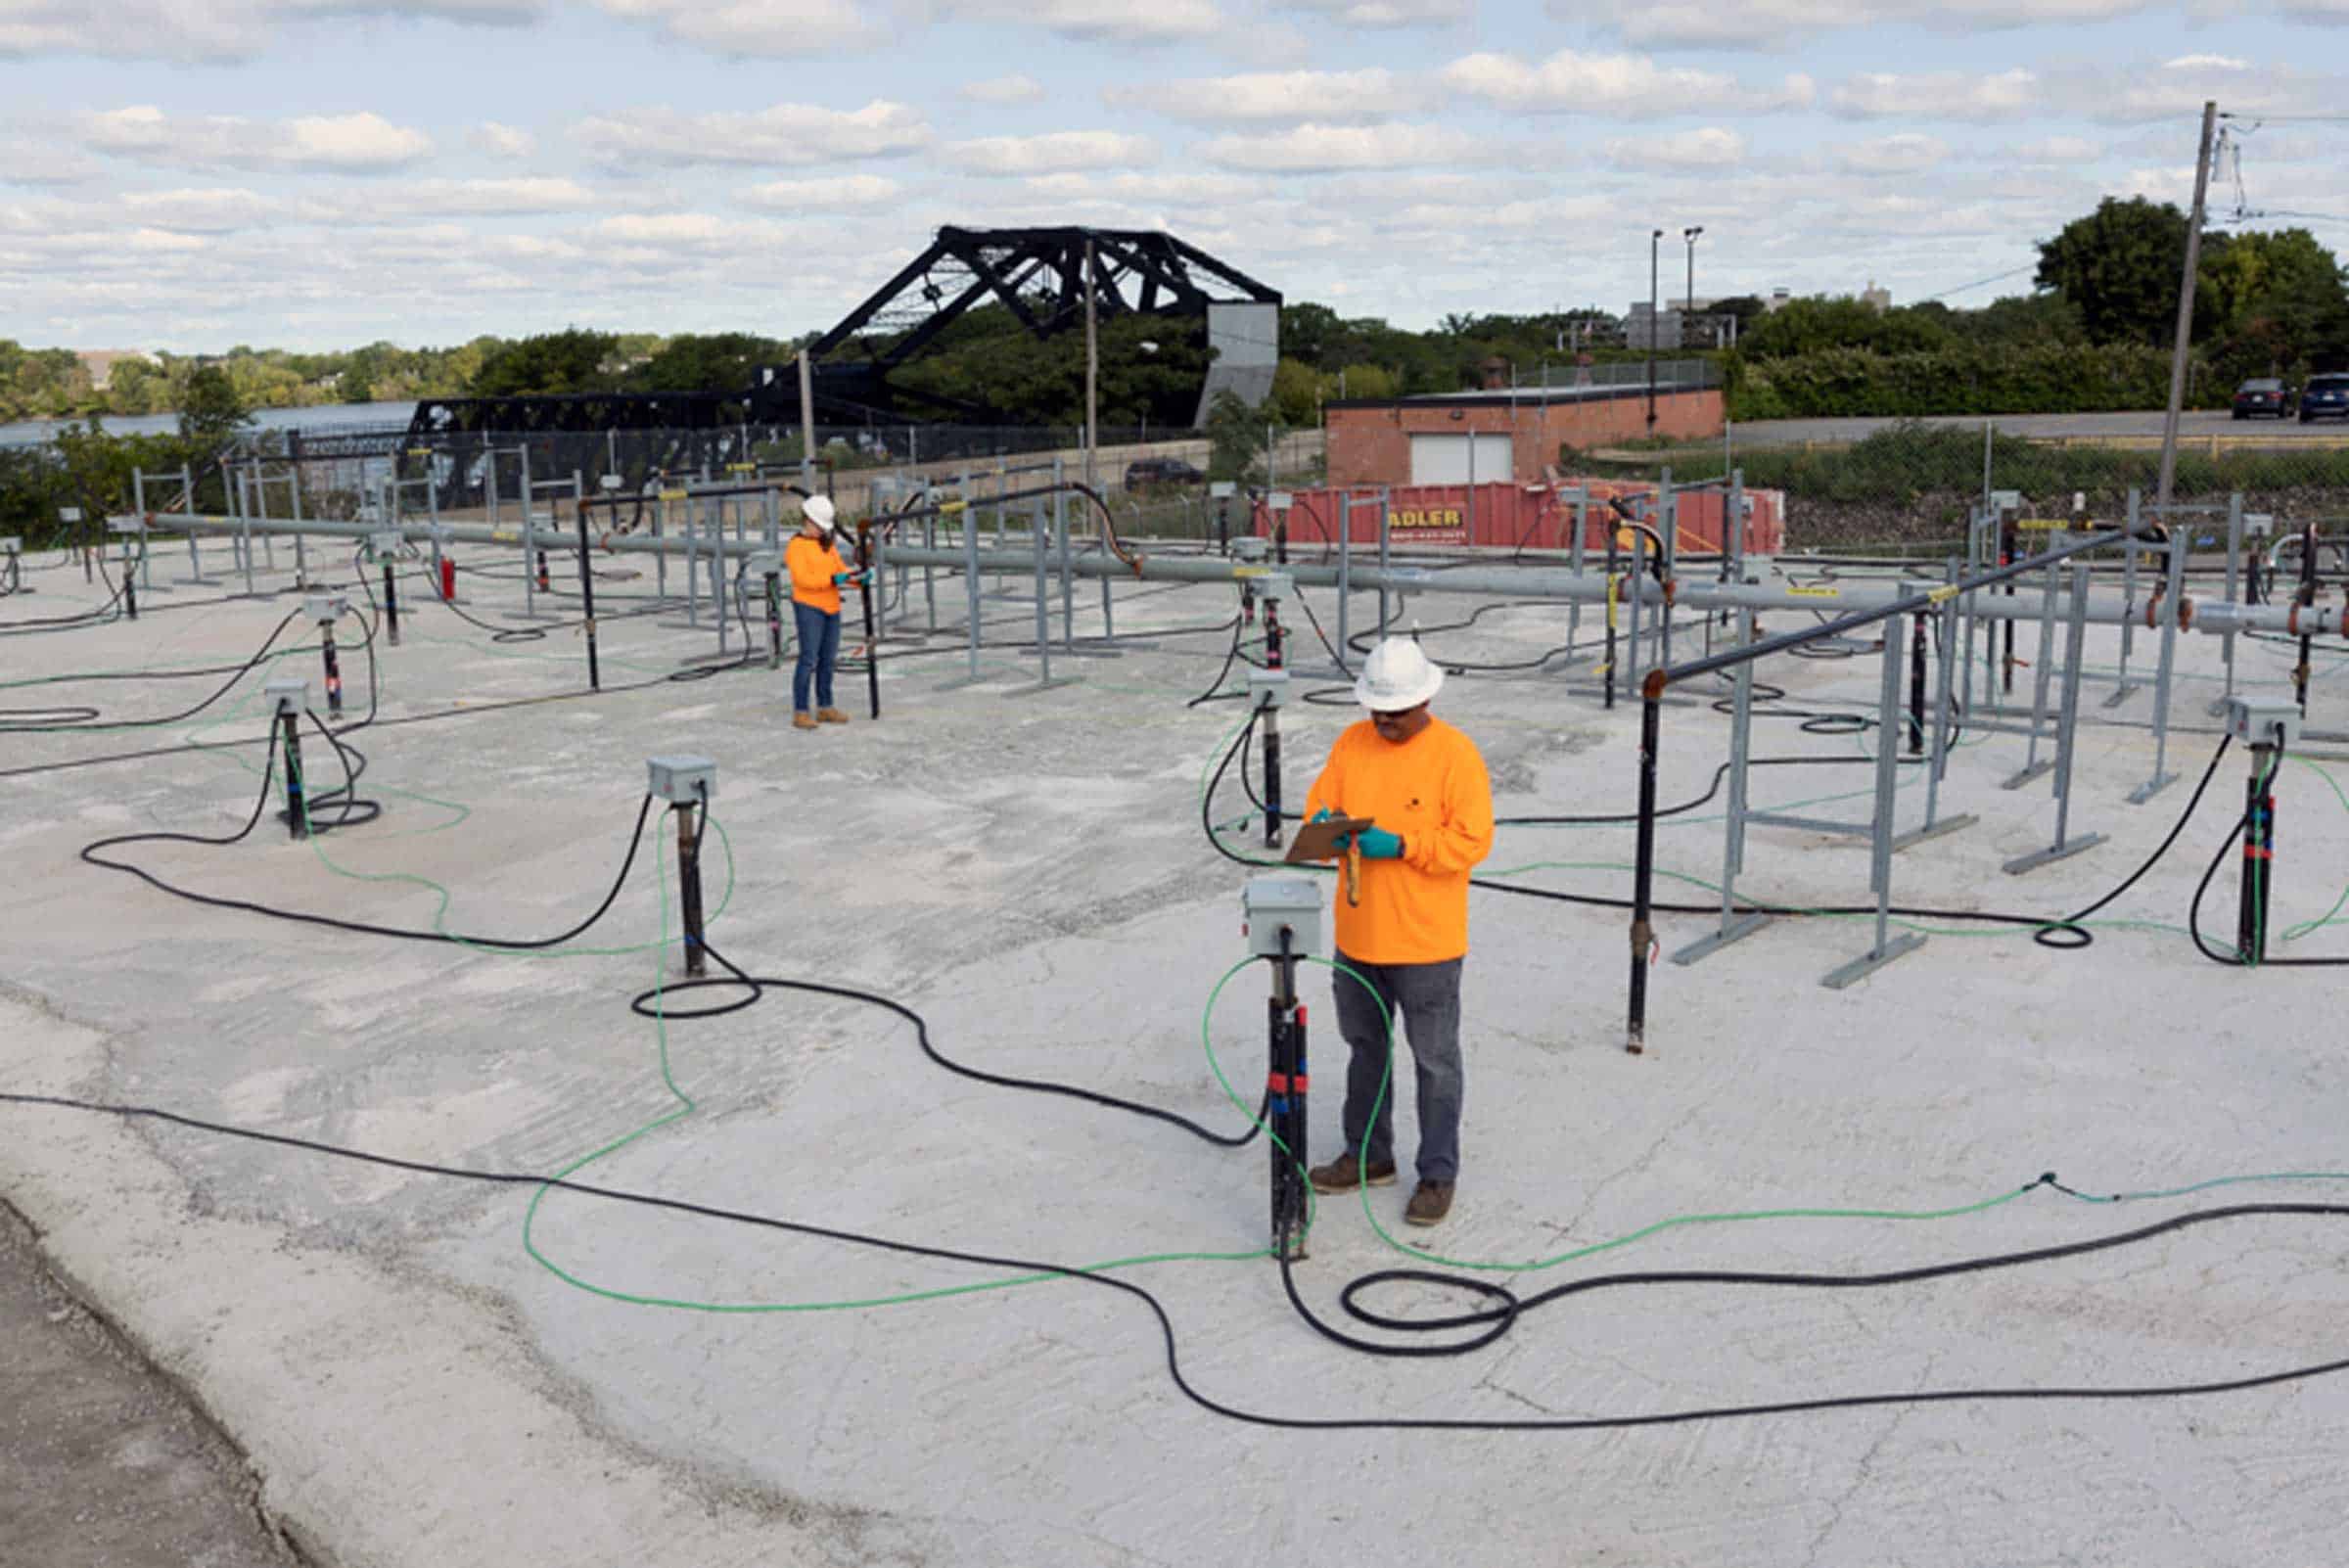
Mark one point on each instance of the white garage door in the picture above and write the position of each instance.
(1459, 459)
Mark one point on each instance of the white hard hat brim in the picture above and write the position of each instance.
(1395, 702)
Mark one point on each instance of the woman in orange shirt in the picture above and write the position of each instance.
(817, 573)
(1423, 785)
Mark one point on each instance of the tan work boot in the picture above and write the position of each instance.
(1344, 1174)
(831, 716)
(1429, 1201)
(802, 719)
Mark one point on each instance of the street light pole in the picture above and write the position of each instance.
(1688, 300)
(1654, 241)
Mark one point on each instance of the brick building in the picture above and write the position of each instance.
(1481, 437)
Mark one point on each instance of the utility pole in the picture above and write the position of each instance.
(2185, 316)
(1092, 373)
(1654, 241)
(806, 425)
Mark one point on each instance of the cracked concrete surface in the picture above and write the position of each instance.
(410, 1387)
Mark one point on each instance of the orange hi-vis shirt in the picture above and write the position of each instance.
(1433, 791)
(811, 565)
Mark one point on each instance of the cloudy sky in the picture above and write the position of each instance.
(191, 173)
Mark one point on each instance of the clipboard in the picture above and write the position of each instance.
(1315, 840)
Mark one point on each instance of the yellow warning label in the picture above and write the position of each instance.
(742, 467)
(1249, 572)
(2045, 525)
(504, 535)
(673, 495)
(1814, 593)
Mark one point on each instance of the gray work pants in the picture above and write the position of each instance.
(1424, 1000)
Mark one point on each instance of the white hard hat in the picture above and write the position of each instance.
(1397, 676)
(817, 509)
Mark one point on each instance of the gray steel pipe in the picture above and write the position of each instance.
(1560, 583)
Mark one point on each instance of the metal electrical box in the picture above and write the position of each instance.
(325, 608)
(1271, 902)
(681, 780)
(1278, 585)
(2258, 525)
(2256, 720)
(1267, 688)
(286, 694)
(13, 545)
(1251, 548)
(386, 544)
(127, 525)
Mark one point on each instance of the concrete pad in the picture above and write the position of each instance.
(413, 1387)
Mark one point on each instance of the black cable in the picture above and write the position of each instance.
(653, 1003)
(1506, 1311)
(92, 854)
(10, 724)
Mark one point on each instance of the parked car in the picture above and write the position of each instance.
(2324, 397)
(1145, 473)
(2267, 395)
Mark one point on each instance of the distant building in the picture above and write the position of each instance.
(1879, 299)
(100, 363)
(1638, 327)
(1779, 300)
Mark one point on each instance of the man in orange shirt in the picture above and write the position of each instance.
(1422, 784)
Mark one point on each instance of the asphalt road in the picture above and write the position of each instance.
(1781, 432)
(103, 1464)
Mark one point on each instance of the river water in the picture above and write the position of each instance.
(323, 418)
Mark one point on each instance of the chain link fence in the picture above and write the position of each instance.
(1910, 486)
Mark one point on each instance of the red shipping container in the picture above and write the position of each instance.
(1516, 517)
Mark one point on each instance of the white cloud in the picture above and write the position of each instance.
(1121, 21)
(198, 211)
(501, 141)
(1003, 90)
(849, 190)
(1783, 23)
(1052, 153)
(2059, 151)
(761, 27)
(2206, 62)
(787, 134)
(357, 143)
(1937, 95)
(1205, 189)
(213, 30)
(1268, 97)
(1709, 148)
(1379, 14)
(1314, 149)
(491, 198)
(1570, 82)
(42, 164)
(1909, 152)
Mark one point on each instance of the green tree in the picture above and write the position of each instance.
(1296, 394)
(574, 360)
(720, 362)
(1235, 439)
(132, 387)
(2119, 268)
(210, 408)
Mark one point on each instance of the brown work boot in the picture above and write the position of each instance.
(1344, 1174)
(802, 719)
(1429, 1201)
(831, 716)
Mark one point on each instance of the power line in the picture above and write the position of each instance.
(1996, 277)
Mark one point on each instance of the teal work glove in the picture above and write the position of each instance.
(844, 579)
(1380, 845)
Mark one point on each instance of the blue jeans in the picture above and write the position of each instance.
(1424, 1000)
(820, 649)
